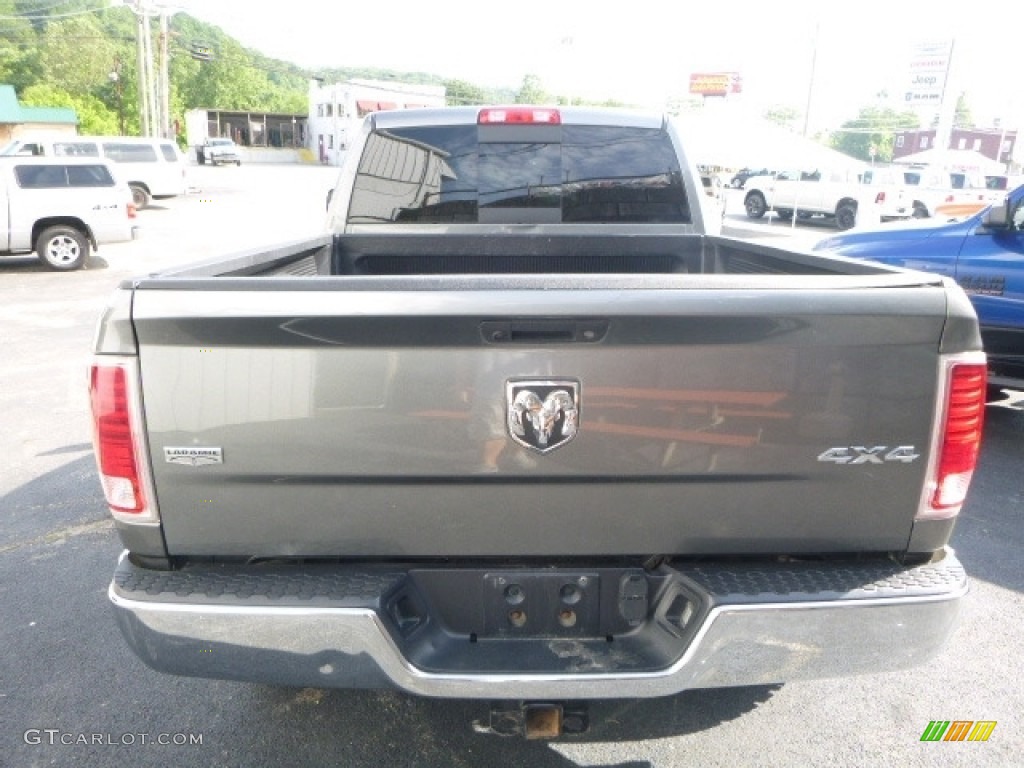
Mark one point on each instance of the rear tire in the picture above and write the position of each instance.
(62, 248)
(755, 205)
(920, 212)
(140, 196)
(846, 216)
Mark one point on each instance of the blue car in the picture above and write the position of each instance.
(983, 252)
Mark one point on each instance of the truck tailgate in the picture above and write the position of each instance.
(370, 417)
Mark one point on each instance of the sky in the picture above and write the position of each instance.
(644, 52)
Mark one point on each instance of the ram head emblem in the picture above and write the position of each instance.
(543, 415)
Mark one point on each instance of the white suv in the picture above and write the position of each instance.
(932, 188)
(151, 167)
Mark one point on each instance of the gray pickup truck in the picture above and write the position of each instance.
(516, 428)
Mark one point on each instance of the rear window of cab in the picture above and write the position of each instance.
(527, 174)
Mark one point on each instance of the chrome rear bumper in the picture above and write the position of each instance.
(750, 627)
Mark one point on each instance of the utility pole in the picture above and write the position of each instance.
(165, 79)
(145, 87)
(154, 84)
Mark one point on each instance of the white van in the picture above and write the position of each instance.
(935, 187)
(153, 168)
(59, 207)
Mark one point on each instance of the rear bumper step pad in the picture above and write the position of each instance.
(505, 633)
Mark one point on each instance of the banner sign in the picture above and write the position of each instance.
(715, 83)
(929, 68)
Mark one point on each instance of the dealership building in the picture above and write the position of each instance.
(336, 110)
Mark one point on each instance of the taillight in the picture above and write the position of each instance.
(880, 197)
(519, 116)
(958, 442)
(132, 211)
(123, 473)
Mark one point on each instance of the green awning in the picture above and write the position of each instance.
(12, 112)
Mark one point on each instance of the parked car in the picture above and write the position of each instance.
(983, 252)
(152, 168)
(59, 208)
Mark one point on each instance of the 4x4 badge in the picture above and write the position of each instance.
(543, 414)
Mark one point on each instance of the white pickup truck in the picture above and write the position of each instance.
(218, 152)
(60, 207)
(517, 428)
(838, 194)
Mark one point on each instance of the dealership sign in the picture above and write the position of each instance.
(929, 68)
(715, 83)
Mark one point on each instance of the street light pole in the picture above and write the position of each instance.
(115, 78)
(810, 81)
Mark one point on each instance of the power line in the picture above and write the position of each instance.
(42, 8)
(37, 16)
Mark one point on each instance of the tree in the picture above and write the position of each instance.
(459, 92)
(19, 49)
(874, 127)
(94, 117)
(532, 92)
(684, 105)
(962, 118)
(783, 115)
(75, 55)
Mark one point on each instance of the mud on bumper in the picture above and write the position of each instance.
(512, 633)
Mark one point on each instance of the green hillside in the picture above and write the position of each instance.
(64, 54)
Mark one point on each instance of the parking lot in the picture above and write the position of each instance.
(71, 692)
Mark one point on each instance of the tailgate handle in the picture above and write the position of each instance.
(572, 331)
